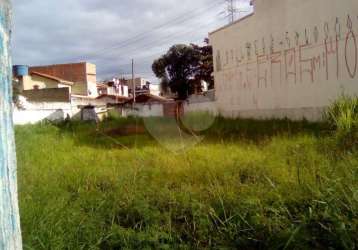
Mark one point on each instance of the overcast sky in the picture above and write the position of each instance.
(110, 32)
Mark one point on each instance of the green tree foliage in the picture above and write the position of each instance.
(183, 67)
(205, 69)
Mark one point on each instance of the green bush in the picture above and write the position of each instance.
(342, 116)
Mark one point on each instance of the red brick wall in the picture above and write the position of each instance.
(75, 72)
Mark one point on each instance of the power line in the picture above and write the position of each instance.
(149, 59)
(163, 41)
(141, 36)
(231, 10)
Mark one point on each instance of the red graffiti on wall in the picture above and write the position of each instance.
(262, 60)
(312, 62)
(309, 64)
(352, 70)
(276, 60)
(331, 49)
(290, 64)
(305, 62)
(248, 77)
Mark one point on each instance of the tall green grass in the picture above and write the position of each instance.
(249, 185)
(343, 117)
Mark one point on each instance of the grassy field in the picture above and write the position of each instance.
(246, 185)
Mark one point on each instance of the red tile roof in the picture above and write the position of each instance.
(54, 78)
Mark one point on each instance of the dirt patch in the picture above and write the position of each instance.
(126, 130)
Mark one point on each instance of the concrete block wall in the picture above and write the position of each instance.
(48, 95)
(288, 59)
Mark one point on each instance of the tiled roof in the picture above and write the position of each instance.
(59, 80)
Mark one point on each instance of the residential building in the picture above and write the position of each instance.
(139, 83)
(37, 80)
(114, 88)
(142, 86)
(146, 105)
(83, 75)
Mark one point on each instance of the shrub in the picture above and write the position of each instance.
(342, 116)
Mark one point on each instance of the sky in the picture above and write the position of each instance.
(110, 33)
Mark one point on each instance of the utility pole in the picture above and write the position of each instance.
(133, 83)
(10, 234)
(231, 10)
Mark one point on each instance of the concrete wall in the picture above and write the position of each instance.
(147, 110)
(23, 117)
(48, 95)
(84, 101)
(289, 59)
(200, 107)
(34, 112)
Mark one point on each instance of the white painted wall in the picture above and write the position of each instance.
(154, 89)
(92, 89)
(152, 110)
(37, 112)
(289, 59)
(23, 117)
(200, 107)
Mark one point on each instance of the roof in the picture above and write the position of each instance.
(62, 64)
(54, 78)
(148, 98)
(83, 97)
(101, 85)
(115, 97)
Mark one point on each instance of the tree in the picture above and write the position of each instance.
(10, 235)
(176, 68)
(206, 67)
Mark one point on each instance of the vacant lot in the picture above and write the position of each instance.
(246, 185)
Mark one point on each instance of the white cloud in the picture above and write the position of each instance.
(102, 32)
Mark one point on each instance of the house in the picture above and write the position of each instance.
(142, 86)
(42, 96)
(82, 75)
(57, 92)
(114, 87)
(288, 59)
(35, 80)
(146, 105)
(139, 83)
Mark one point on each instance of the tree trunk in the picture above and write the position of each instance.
(10, 235)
